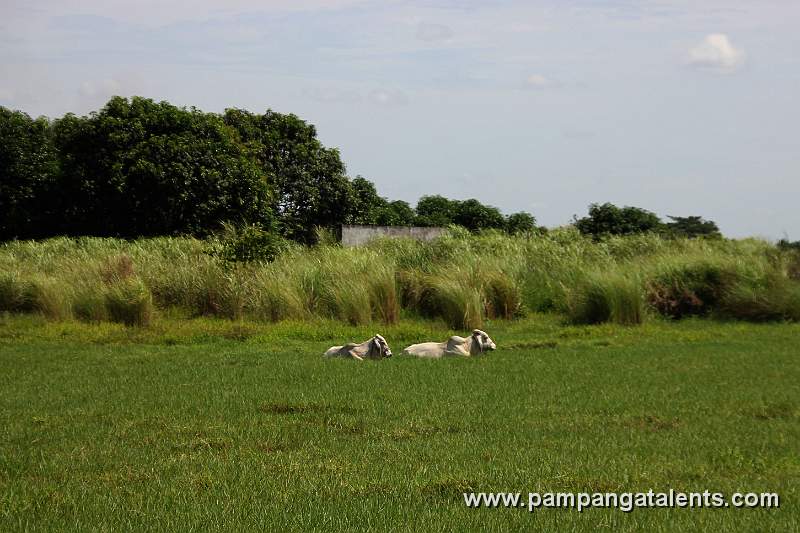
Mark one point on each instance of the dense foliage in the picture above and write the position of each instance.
(139, 168)
(27, 173)
(608, 219)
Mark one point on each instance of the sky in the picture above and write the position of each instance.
(681, 107)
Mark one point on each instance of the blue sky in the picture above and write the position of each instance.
(677, 106)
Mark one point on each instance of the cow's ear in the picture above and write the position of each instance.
(476, 332)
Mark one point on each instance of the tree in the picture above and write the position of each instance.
(367, 205)
(140, 168)
(312, 188)
(608, 219)
(519, 223)
(396, 213)
(435, 211)
(475, 216)
(692, 227)
(28, 169)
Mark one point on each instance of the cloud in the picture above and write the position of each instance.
(716, 52)
(433, 32)
(388, 97)
(6, 94)
(537, 81)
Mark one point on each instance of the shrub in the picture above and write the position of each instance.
(502, 296)
(130, 303)
(13, 293)
(693, 288)
(49, 297)
(455, 299)
(606, 298)
(383, 295)
(776, 299)
(249, 244)
(348, 299)
(117, 268)
(276, 295)
(89, 305)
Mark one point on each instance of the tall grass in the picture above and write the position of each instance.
(461, 279)
(607, 297)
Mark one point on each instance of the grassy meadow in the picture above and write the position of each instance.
(151, 385)
(211, 424)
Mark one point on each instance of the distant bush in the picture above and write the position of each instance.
(607, 298)
(692, 227)
(520, 223)
(13, 293)
(695, 288)
(129, 302)
(773, 299)
(786, 244)
(50, 297)
(502, 296)
(248, 244)
(608, 219)
(89, 305)
(456, 300)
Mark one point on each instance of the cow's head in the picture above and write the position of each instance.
(381, 346)
(483, 340)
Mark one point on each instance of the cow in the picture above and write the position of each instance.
(475, 344)
(374, 348)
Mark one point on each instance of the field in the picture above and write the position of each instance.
(209, 423)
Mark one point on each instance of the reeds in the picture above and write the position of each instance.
(462, 279)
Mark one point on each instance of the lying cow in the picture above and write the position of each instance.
(374, 348)
(477, 343)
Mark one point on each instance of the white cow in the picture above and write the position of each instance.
(374, 348)
(477, 343)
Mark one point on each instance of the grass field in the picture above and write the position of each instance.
(215, 424)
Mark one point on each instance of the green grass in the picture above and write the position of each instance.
(460, 278)
(216, 424)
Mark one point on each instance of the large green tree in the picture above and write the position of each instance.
(396, 213)
(476, 216)
(608, 219)
(28, 168)
(139, 168)
(366, 205)
(436, 210)
(312, 188)
(520, 223)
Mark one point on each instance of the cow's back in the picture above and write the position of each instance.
(429, 350)
(457, 345)
(333, 351)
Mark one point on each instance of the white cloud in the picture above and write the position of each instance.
(537, 81)
(716, 53)
(433, 32)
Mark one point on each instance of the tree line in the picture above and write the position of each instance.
(143, 168)
(139, 168)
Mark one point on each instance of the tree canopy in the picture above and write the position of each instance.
(138, 168)
(692, 226)
(608, 219)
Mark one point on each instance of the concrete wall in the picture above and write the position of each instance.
(357, 235)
